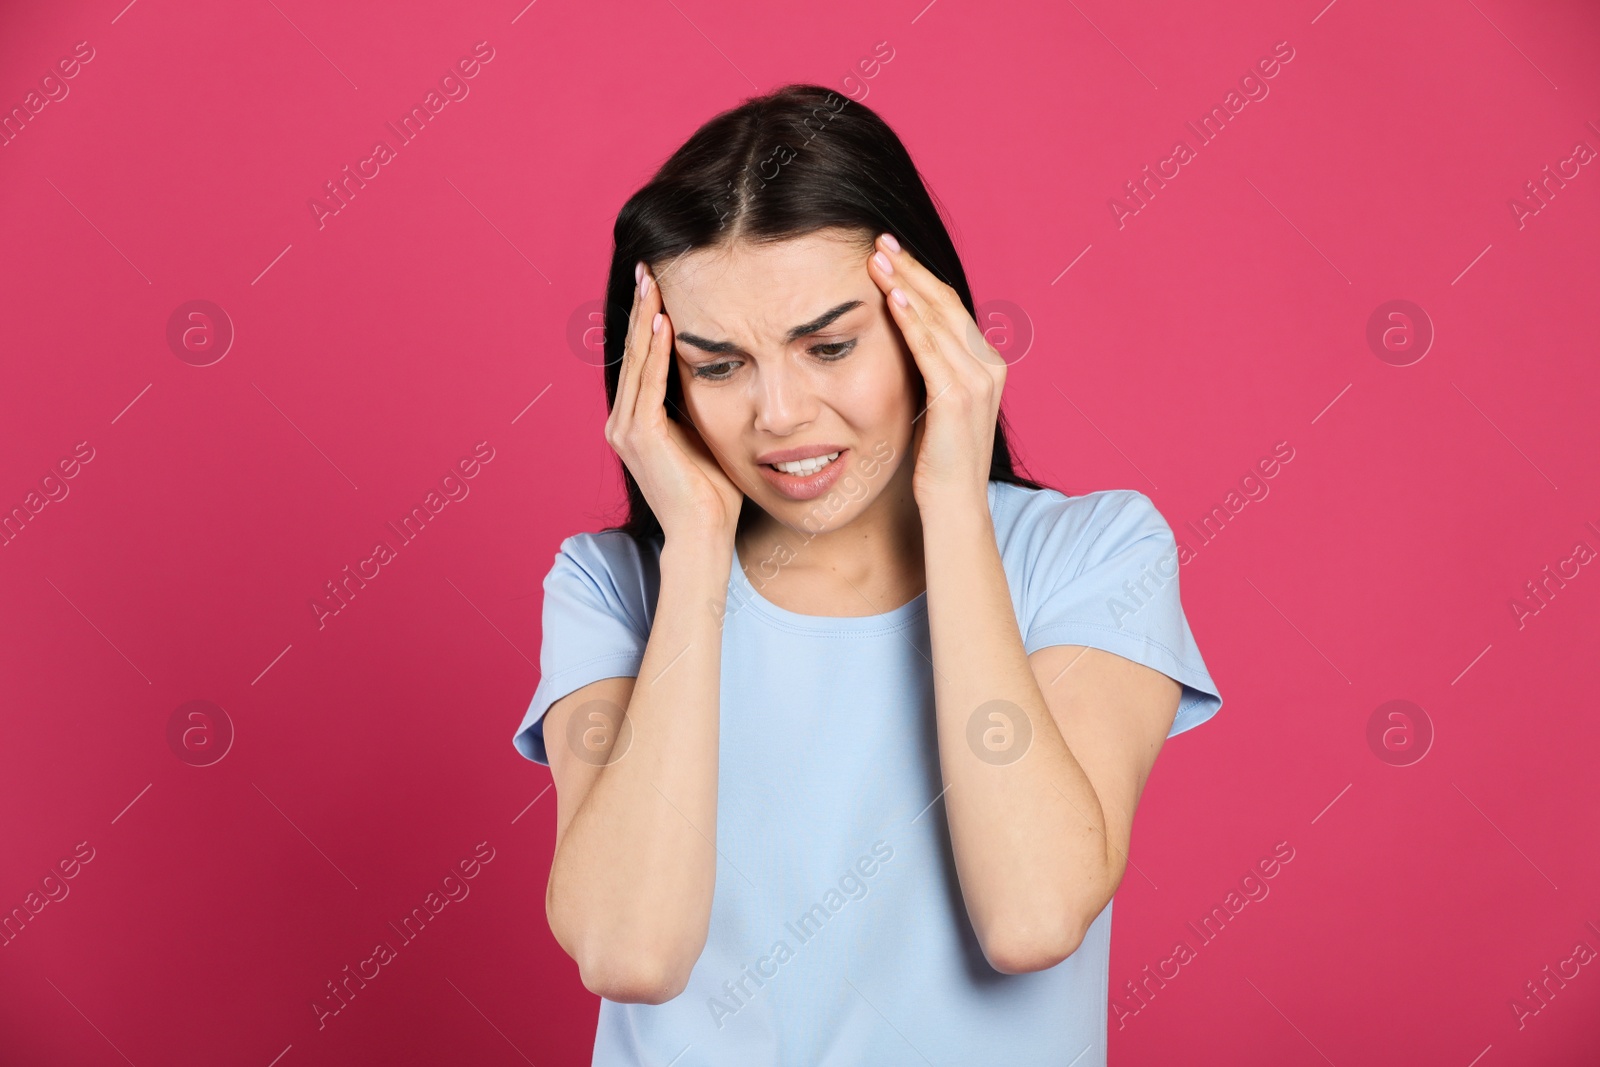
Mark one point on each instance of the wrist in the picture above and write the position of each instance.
(955, 508)
(698, 549)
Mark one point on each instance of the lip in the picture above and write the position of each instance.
(789, 455)
(805, 487)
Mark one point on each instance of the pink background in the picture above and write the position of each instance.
(372, 755)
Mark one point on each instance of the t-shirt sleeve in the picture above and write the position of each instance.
(593, 626)
(1120, 594)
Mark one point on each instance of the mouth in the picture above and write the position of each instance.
(808, 478)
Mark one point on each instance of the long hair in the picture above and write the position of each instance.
(799, 159)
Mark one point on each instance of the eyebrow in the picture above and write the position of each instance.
(805, 329)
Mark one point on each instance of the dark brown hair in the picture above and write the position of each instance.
(799, 159)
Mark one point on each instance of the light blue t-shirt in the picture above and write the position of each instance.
(838, 935)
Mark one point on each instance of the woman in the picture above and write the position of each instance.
(848, 722)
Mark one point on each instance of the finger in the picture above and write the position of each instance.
(941, 307)
(915, 277)
(623, 404)
(657, 365)
(912, 319)
(694, 443)
(637, 344)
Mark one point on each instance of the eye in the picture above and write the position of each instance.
(830, 352)
(834, 350)
(705, 372)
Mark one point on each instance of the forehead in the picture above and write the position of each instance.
(764, 288)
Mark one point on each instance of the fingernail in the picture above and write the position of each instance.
(890, 243)
(898, 297)
(655, 323)
(883, 262)
(644, 285)
(638, 270)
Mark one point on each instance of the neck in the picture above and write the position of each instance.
(867, 567)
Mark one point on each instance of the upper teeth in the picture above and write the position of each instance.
(807, 466)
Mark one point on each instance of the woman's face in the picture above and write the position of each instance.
(790, 348)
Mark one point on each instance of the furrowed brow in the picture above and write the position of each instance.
(821, 322)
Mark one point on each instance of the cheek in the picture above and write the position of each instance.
(901, 376)
(879, 391)
(872, 397)
(716, 413)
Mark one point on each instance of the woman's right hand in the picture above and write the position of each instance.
(686, 487)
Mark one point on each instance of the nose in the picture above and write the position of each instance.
(784, 398)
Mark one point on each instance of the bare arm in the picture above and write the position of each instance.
(1041, 775)
(631, 882)
(1041, 819)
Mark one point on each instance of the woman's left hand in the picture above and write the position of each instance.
(953, 438)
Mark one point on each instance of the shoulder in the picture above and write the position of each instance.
(1049, 522)
(611, 568)
(607, 552)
